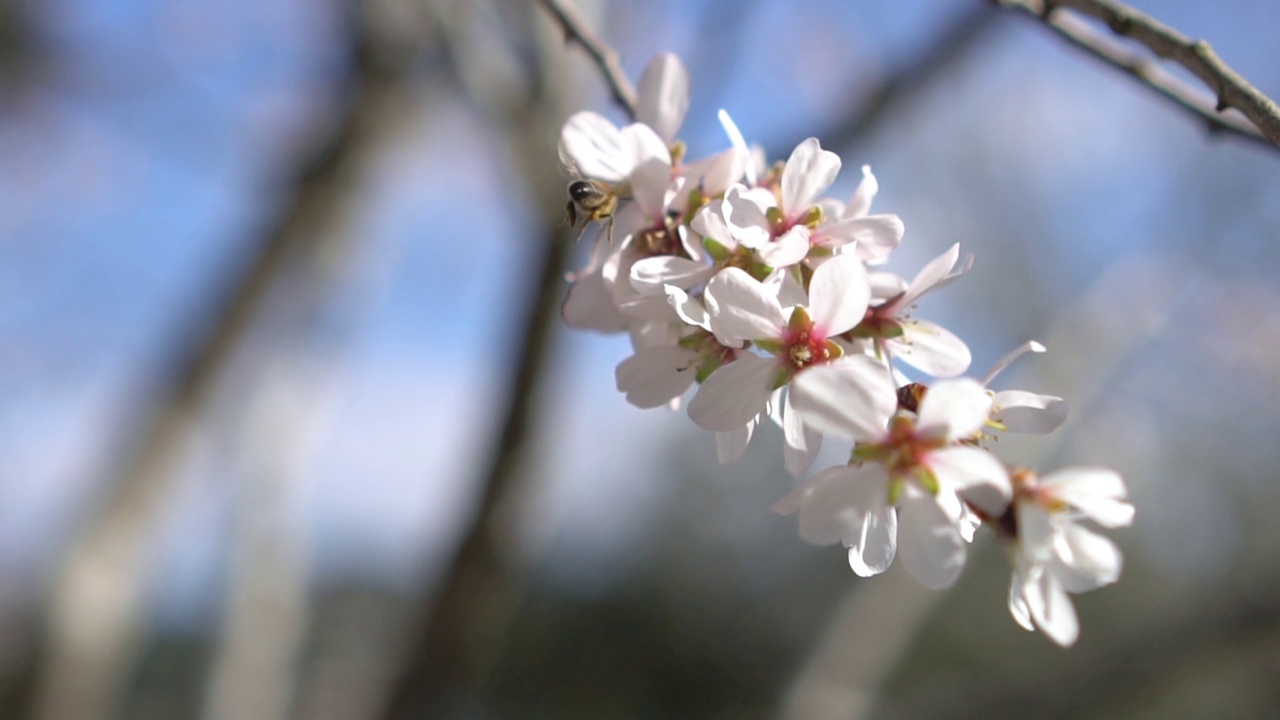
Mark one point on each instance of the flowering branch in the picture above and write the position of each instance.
(739, 277)
(576, 30)
(1231, 90)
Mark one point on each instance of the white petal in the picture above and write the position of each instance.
(662, 96)
(732, 444)
(1025, 412)
(885, 285)
(1036, 532)
(744, 213)
(851, 398)
(860, 204)
(739, 145)
(808, 172)
(742, 308)
(975, 475)
(788, 250)
(953, 409)
(655, 376)
(649, 274)
(800, 444)
(932, 348)
(876, 237)
(1018, 604)
(593, 147)
(1028, 347)
(716, 173)
(929, 542)
(690, 310)
(835, 503)
(652, 189)
(872, 551)
(1051, 608)
(710, 223)
(838, 294)
(1088, 560)
(1097, 492)
(590, 306)
(931, 274)
(734, 394)
(640, 145)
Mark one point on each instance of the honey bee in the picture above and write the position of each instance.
(594, 201)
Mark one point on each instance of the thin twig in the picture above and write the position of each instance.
(605, 57)
(1231, 90)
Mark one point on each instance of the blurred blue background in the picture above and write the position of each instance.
(259, 555)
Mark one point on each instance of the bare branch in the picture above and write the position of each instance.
(605, 57)
(1230, 89)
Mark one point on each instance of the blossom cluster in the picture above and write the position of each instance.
(741, 278)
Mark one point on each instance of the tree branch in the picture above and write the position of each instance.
(605, 57)
(1231, 90)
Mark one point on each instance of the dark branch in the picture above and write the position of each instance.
(1228, 88)
(605, 57)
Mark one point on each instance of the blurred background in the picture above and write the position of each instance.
(267, 277)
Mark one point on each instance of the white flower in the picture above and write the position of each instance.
(1053, 554)
(918, 466)
(743, 309)
(853, 229)
(1019, 411)
(922, 344)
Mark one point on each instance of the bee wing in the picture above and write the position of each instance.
(567, 166)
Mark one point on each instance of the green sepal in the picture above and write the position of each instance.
(800, 320)
(696, 201)
(811, 217)
(776, 219)
(833, 349)
(927, 480)
(896, 487)
(784, 377)
(706, 368)
(715, 249)
(771, 346)
(678, 149)
(891, 330)
(864, 451)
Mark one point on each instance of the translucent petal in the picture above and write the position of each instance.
(742, 308)
(953, 409)
(655, 376)
(933, 349)
(1026, 412)
(1097, 492)
(662, 95)
(808, 172)
(851, 398)
(975, 475)
(838, 294)
(929, 542)
(734, 394)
